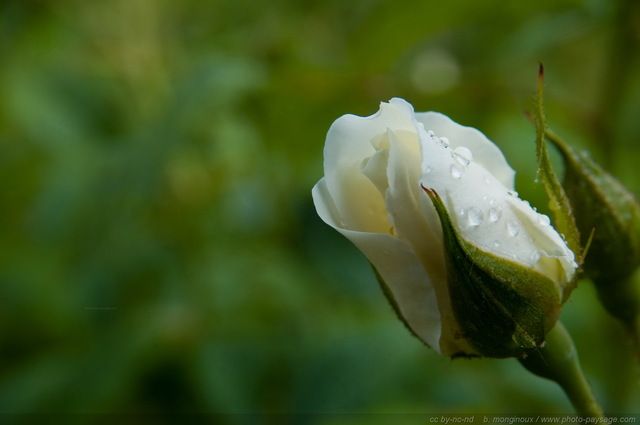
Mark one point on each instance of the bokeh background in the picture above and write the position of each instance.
(160, 255)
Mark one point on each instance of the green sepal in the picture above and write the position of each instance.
(607, 221)
(604, 205)
(503, 308)
(564, 219)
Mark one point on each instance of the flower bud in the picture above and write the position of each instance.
(491, 286)
(606, 210)
(602, 205)
(502, 307)
(601, 219)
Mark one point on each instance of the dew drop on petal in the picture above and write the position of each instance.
(431, 133)
(495, 214)
(492, 201)
(544, 220)
(535, 256)
(513, 228)
(427, 170)
(512, 193)
(474, 216)
(462, 155)
(444, 141)
(457, 171)
(497, 244)
(486, 180)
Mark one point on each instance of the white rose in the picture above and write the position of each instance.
(371, 193)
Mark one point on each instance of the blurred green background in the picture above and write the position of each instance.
(160, 253)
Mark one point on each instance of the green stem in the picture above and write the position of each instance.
(558, 361)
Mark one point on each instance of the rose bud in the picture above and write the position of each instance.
(372, 192)
(605, 209)
(603, 205)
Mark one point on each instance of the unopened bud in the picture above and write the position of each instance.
(602, 205)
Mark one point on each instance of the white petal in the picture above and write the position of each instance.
(350, 142)
(417, 223)
(484, 151)
(375, 168)
(398, 266)
(491, 216)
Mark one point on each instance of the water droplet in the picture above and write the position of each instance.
(497, 244)
(474, 216)
(513, 228)
(544, 220)
(431, 133)
(512, 193)
(492, 201)
(495, 214)
(462, 155)
(445, 141)
(427, 170)
(487, 180)
(462, 212)
(457, 171)
(535, 256)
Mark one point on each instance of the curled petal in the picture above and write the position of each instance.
(407, 282)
